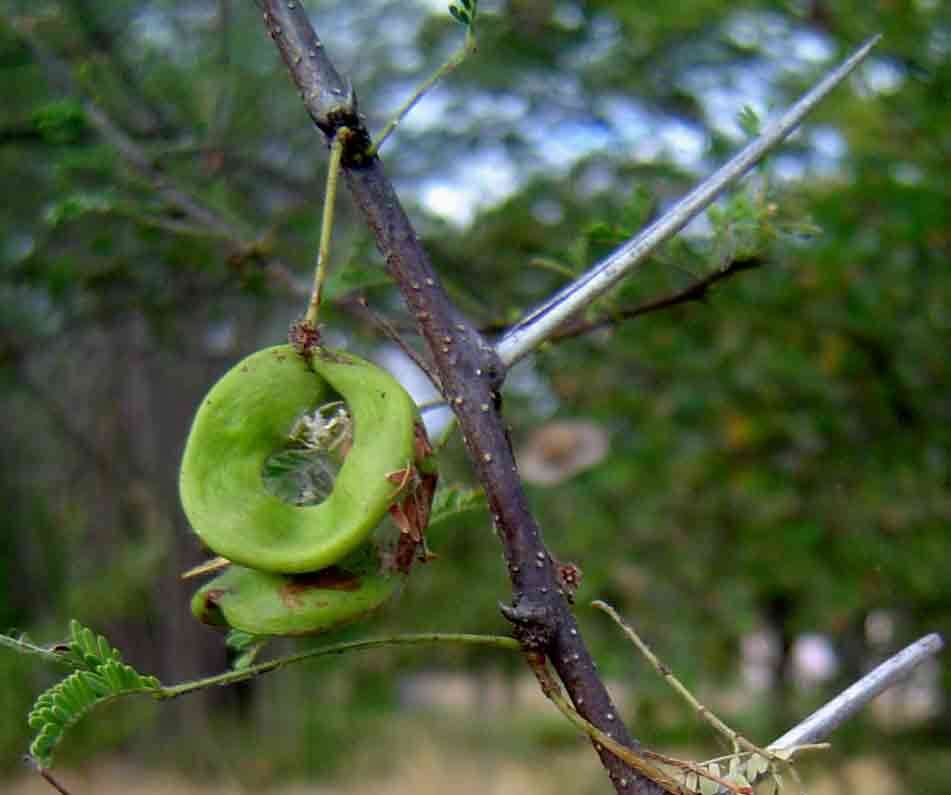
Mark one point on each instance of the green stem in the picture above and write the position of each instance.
(553, 265)
(48, 778)
(454, 61)
(326, 226)
(446, 434)
(25, 647)
(665, 672)
(634, 759)
(231, 677)
(736, 739)
(443, 439)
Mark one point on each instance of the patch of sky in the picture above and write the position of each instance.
(906, 174)
(723, 93)
(604, 36)
(882, 76)
(405, 58)
(438, 7)
(16, 247)
(783, 50)
(480, 181)
(357, 33)
(823, 157)
(627, 116)
(788, 167)
(445, 108)
(561, 91)
(827, 147)
(773, 35)
(560, 143)
(767, 33)
(827, 142)
(699, 228)
(431, 111)
(282, 155)
(939, 45)
(548, 212)
(647, 137)
(568, 16)
(499, 107)
(563, 126)
(160, 29)
(683, 143)
(596, 177)
(525, 381)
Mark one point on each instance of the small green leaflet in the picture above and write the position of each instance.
(99, 676)
(452, 500)
(749, 121)
(352, 278)
(245, 647)
(464, 12)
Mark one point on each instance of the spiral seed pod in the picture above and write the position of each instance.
(246, 417)
(302, 569)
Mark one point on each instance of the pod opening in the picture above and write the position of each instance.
(304, 471)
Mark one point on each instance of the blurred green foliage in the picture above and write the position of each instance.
(779, 453)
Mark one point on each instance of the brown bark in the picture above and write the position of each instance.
(471, 377)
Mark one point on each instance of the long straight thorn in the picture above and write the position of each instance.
(828, 718)
(541, 323)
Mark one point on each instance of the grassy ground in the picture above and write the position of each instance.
(424, 757)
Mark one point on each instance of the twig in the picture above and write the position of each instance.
(390, 332)
(24, 646)
(106, 42)
(326, 226)
(468, 47)
(542, 322)
(230, 677)
(134, 155)
(209, 566)
(696, 291)
(701, 770)
(551, 265)
(634, 758)
(471, 371)
(471, 376)
(48, 777)
(736, 739)
(432, 405)
(252, 671)
(819, 725)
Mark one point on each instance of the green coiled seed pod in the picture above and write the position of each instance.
(247, 416)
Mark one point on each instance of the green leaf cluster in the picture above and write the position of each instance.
(60, 122)
(452, 500)
(99, 676)
(464, 12)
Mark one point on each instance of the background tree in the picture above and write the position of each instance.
(778, 454)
